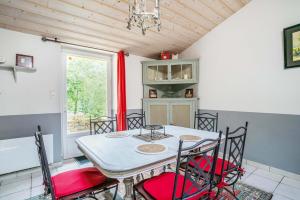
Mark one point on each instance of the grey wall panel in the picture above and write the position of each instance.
(16, 126)
(273, 139)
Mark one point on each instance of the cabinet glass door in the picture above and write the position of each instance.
(157, 72)
(176, 72)
(182, 72)
(162, 72)
(187, 71)
(151, 73)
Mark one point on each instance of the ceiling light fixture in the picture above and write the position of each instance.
(141, 18)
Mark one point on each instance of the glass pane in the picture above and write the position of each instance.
(86, 91)
(176, 72)
(162, 72)
(151, 73)
(187, 71)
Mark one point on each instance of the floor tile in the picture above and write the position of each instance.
(291, 182)
(36, 181)
(261, 183)
(25, 194)
(35, 191)
(15, 179)
(68, 166)
(269, 175)
(14, 187)
(248, 171)
(288, 191)
(280, 197)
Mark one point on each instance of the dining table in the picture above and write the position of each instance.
(118, 157)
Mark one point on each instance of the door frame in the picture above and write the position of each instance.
(68, 139)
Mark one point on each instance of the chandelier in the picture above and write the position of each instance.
(141, 18)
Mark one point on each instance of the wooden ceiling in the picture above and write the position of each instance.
(102, 23)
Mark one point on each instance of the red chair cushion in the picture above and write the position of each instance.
(161, 187)
(78, 180)
(218, 171)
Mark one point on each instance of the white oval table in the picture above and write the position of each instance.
(118, 158)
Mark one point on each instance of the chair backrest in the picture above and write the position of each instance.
(102, 125)
(44, 163)
(234, 147)
(135, 120)
(196, 179)
(206, 121)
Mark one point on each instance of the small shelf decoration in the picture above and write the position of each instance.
(27, 66)
(292, 46)
(24, 61)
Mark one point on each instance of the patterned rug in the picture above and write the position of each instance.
(243, 192)
(246, 192)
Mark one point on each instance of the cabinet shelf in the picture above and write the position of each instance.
(15, 69)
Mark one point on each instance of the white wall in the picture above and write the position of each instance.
(33, 93)
(134, 82)
(241, 61)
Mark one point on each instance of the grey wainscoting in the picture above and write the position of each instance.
(273, 139)
(17, 126)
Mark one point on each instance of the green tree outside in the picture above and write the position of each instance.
(86, 91)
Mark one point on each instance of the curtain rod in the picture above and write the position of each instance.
(46, 39)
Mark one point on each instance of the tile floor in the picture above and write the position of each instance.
(28, 183)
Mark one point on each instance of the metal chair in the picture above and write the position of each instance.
(73, 184)
(233, 153)
(194, 183)
(135, 120)
(206, 121)
(102, 125)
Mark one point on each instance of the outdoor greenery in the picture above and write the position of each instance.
(86, 90)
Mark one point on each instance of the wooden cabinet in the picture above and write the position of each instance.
(176, 111)
(170, 71)
(170, 79)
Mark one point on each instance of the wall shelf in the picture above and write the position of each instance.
(15, 69)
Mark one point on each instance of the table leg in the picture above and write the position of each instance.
(128, 182)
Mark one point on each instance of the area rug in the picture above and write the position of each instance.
(246, 192)
(243, 192)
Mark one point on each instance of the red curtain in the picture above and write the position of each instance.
(121, 110)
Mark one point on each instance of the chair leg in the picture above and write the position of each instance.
(218, 193)
(116, 192)
(134, 195)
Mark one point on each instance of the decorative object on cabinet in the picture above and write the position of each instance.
(24, 61)
(174, 56)
(189, 93)
(165, 55)
(171, 79)
(292, 46)
(152, 93)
